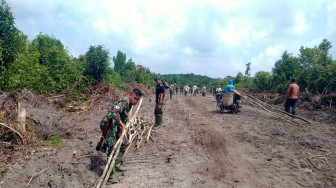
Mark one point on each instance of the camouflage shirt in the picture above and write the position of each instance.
(119, 110)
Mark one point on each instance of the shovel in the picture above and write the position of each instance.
(102, 145)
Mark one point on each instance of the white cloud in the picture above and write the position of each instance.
(274, 51)
(301, 25)
(265, 60)
(213, 37)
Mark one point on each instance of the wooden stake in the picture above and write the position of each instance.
(21, 116)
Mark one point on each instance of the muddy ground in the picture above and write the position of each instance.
(195, 147)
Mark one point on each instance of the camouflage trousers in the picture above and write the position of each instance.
(112, 135)
(158, 115)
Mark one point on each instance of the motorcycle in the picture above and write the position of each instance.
(226, 102)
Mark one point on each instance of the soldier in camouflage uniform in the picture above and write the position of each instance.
(159, 92)
(119, 113)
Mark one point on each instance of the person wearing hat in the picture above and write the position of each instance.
(159, 93)
(292, 96)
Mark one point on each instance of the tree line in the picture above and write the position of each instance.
(313, 68)
(45, 66)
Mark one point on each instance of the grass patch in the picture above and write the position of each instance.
(56, 140)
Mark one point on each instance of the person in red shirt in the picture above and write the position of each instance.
(292, 96)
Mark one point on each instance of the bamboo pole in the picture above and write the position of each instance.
(109, 166)
(101, 179)
(112, 163)
(272, 109)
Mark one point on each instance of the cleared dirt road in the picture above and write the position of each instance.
(198, 147)
(195, 147)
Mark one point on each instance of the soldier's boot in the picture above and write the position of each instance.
(158, 120)
(118, 163)
(112, 178)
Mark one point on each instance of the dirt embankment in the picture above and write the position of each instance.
(195, 147)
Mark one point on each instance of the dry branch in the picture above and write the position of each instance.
(21, 137)
(36, 175)
(55, 97)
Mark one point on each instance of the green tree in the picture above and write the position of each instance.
(129, 65)
(119, 62)
(238, 78)
(262, 81)
(246, 82)
(28, 73)
(145, 76)
(317, 68)
(114, 79)
(284, 69)
(44, 67)
(10, 42)
(55, 58)
(97, 59)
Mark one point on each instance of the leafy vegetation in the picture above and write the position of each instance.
(191, 79)
(56, 140)
(45, 66)
(314, 70)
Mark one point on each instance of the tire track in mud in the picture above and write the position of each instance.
(265, 151)
(242, 161)
(181, 154)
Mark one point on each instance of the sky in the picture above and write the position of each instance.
(215, 38)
